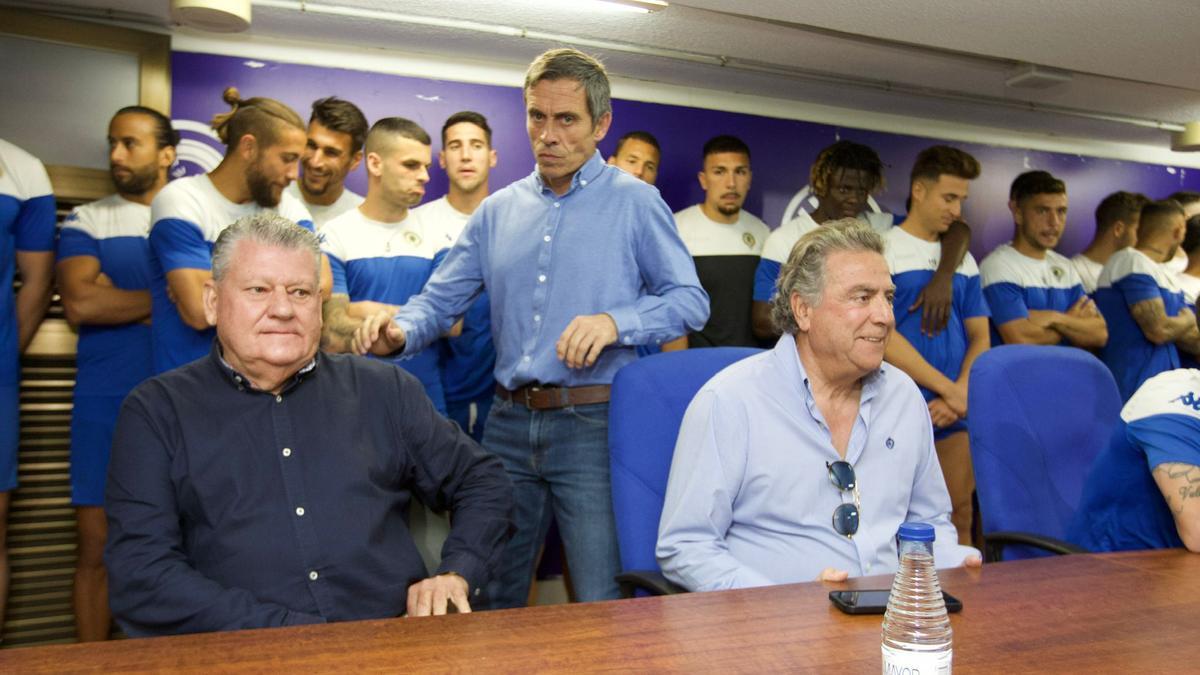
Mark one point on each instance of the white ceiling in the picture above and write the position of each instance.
(943, 60)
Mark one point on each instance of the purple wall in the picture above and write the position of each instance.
(782, 149)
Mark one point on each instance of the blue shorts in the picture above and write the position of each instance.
(10, 434)
(92, 423)
(959, 426)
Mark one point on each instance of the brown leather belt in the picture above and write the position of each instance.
(540, 397)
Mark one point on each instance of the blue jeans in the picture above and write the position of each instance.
(558, 463)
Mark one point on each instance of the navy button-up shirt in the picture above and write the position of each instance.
(230, 507)
(608, 245)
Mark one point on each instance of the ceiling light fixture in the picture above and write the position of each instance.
(1187, 140)
(218, 16)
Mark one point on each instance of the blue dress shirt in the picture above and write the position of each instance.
(230, 507)
(749, 501)
(609, 245)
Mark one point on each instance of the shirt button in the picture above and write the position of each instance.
(278, 398)
(237, 378)
(627, 339)
(546, 238)
(312, 576)
(525, 358)
(556, 205)
(542, 278)
(582, 181)
(537, 317)
(287, 452)
(299, 510)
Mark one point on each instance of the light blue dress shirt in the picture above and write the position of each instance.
(609, 245)
(749, 501)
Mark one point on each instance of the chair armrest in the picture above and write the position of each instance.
(995, 542)
(653, 583)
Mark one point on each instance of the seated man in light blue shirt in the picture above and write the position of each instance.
(802, 462)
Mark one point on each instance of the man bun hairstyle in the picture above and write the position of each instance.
(263, 118)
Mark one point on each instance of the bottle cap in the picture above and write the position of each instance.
(916, 532)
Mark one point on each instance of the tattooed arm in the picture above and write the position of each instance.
(1180, 485)
(337, 329)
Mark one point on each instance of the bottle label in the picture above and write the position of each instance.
(900, 662)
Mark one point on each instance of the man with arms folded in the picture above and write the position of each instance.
(582, 263)
(1034, 293)
(382, 253)
(267, 484)
(802, 462)
(1144, 489)
(264, 140)
(27, 228)
(940, 363)
(725, 242)
(1117, 218)
(842, 178)
(104, 279)
(639, 155)
(337, 130)
(1148, 318)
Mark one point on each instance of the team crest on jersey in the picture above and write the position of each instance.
(412, 238)
(1189, 399)
(1058, 272)
(748, 240)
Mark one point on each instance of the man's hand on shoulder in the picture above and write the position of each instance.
(585, 337)
(972, 562)
(434, 596)
(379, 335)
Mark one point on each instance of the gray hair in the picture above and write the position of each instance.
(804, 271)
(572, 64)
(267, 228)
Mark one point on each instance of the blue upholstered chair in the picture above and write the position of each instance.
(649, 397)
(1038, 418)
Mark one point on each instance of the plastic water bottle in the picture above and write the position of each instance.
(916, 628)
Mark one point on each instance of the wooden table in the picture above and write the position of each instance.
(1127, 613)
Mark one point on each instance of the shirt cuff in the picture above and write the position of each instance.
(629, 326)
(468, 567)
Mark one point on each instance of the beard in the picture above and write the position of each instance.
(729, 210)
(261, 189)
(138, 182)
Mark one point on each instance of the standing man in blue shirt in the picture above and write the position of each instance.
(582, 263)
(776, 443)
(265, 140)
(26, 246)
(268, 485)
(1144, 490)
(1148, 317)
(1035, 295)
(940, 363)
(104, 278)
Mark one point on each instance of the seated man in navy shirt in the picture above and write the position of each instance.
(267, 484)
(1144, 491)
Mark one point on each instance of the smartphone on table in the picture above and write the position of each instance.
(875, 601)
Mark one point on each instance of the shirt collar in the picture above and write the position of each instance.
(872, 382)
(243, 383)
(587, 173)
